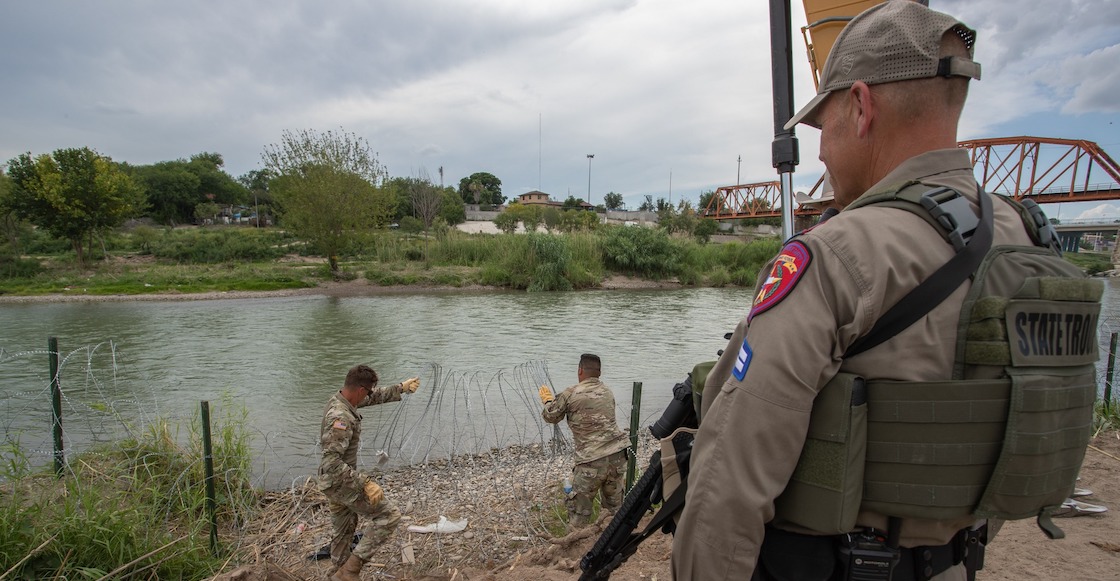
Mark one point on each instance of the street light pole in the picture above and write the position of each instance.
(737, 168)
(590, 157)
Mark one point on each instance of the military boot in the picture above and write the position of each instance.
(350, 570)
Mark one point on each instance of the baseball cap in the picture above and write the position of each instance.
(898, 40)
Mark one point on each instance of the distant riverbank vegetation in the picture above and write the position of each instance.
(148, 260)
(323, 208)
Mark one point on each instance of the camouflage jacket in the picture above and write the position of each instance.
(340, 436)
(589, 408)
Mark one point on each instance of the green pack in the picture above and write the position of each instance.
(1003, 438)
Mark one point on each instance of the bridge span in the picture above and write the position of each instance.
(1046, 170)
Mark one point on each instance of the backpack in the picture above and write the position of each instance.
(1005, 436)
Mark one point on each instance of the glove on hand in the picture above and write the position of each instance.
(374, 493)
(410, 385)
(545, 393)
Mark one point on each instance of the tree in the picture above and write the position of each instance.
(74, 194)
(453, 210)
(647, 204)
(704, 230)
(326, 206)
(482, 188)
(706, 200)
(506, 222)
(572, 203)
(551, 217)
(612, 201)
(256, 182)
(175, 188)
(328, 188)
(345, 152)
(173, 191)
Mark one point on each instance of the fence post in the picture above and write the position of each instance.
(56, 406)
(632, 458)
(1108, 373)
(208, 463)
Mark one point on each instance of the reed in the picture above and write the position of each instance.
(133, 509)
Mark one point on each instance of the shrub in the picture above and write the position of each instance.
(642, 251)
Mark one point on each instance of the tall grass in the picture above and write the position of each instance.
(132, 510)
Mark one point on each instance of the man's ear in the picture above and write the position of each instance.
(863, 107)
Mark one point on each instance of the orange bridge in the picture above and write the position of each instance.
(1044, 169)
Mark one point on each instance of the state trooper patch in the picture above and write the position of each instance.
(787, 269)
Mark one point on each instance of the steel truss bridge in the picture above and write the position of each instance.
(1046, 170)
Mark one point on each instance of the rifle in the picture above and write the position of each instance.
(619, 541)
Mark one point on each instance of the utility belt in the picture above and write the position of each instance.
(863, 556)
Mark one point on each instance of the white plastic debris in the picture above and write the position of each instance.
(443, 526)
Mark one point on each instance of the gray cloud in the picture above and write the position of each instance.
(520, 89)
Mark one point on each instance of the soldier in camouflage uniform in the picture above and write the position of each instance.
(350, 492)
(600, 455)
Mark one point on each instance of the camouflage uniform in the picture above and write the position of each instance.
(342, 484)
(600, 455)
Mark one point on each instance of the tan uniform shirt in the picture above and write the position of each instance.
(589, 407)
(340, 437)
(849, 271)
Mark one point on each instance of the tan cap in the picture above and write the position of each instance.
(898, 40)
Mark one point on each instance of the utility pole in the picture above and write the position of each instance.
(737, 168)
(590, 157)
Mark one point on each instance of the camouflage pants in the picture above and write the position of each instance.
(605, 477)
(345, 507)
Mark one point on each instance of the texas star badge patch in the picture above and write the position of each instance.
(787, 269)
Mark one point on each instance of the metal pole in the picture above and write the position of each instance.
(1108, 373)
(208, 465)
(784, 152)
(56, 406)
(737, 170)
(632, 460)
(590, 157)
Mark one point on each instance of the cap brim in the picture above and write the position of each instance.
(806, 114)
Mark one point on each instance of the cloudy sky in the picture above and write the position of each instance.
(667, 95)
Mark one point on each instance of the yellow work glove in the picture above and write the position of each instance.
(374, 493)
(546, 394)
(410, 385)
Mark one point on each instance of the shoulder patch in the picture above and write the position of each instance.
(339, 425)
(787, 269)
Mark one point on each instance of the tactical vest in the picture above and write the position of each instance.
(1005, 436)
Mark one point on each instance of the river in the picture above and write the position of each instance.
(480, 356)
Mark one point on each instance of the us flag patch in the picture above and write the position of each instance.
(787, 269)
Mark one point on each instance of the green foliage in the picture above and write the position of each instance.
(551, 217)
(74, 194)
(135, 508)
(482, 188)
(411, 224)
(550, 258)
(506, 222)
(577, 220)
(612, 201)
(12, 266)
(704, 229)
(1091, 262)
(641, 251)
(326, 206)
(143, 238)
(453, 211)
(208, 246)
